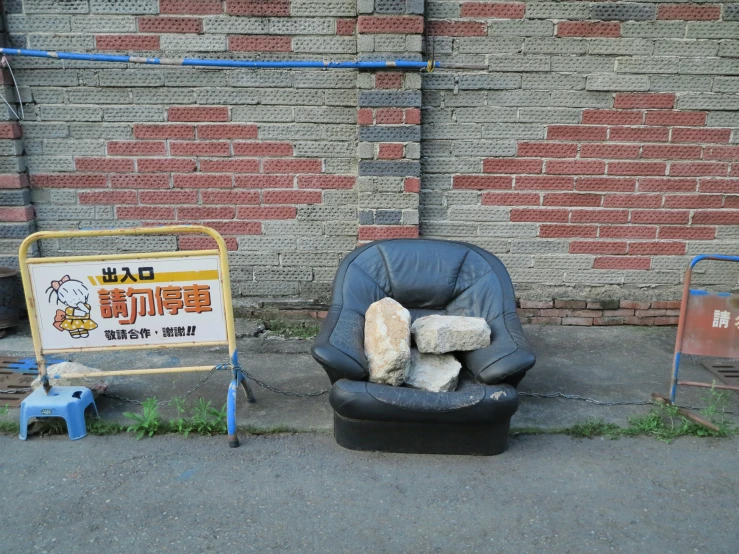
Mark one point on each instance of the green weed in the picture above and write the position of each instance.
(4, 410)
(208, 420)
(594, 428)
(97, 426)
(9, 427)
(149, 423)
(664, 422)
(293, 329)
(180, 424)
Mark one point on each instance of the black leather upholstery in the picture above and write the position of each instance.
(470, 404)
(426, 276)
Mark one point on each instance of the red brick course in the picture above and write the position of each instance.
(378, 232)
(155, 181)
(16, 213)
(196, 180)
(113, 165)
(198, 113)
(255, 43)
(345, 27)
(127, 42)
(156, 131)
(588, 29)
(165, 165)
(689, 12)
(227, 131)
(258, 7)
(229, 166)
(170, 25)
(191, 7)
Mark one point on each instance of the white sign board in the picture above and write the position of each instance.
(142, 302)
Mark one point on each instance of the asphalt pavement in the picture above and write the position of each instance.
(300, 493)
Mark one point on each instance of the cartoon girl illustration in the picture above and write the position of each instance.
(75, 318)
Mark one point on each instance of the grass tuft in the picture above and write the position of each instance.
(293, 329)
(594, 428)
(665, 423)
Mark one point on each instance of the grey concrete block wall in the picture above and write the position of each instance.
(599, 144)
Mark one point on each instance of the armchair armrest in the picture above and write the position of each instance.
(339, 347)
(508, 357)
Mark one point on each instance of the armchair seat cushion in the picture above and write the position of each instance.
(471, 403)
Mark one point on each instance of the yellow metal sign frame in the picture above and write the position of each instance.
(224, 277)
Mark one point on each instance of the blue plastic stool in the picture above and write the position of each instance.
(69, 403)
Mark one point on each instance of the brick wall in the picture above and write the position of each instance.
(267, 158)
(16, 212)
(598, 153)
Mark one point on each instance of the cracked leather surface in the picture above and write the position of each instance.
(424, 401)
(472, 404)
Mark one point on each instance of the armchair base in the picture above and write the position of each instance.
(475, 439)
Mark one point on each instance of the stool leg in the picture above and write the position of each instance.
(96, 408)
(76, 424)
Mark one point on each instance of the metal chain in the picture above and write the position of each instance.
(204, 379)
(15, 391)
(168, 402)
(605, 403)
(284, 392)
(585, 399)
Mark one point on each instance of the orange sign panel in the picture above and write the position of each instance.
(711, 325)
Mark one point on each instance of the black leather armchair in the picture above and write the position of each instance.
(427, 277)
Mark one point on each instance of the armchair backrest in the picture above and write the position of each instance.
(419, 273)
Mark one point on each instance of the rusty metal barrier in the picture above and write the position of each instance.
(708, 326)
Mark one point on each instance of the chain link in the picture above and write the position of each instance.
(281, 391)
(15, 391)
(168, 402)
(606, 403)
(585, 399)
(207, 376)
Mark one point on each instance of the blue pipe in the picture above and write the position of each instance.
(233, 387)
(252, 64)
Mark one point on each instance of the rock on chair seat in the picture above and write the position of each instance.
(427, 277)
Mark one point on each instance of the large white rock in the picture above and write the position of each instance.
(387, 341)
(438, 334)
(61, 375)
(433, 372)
